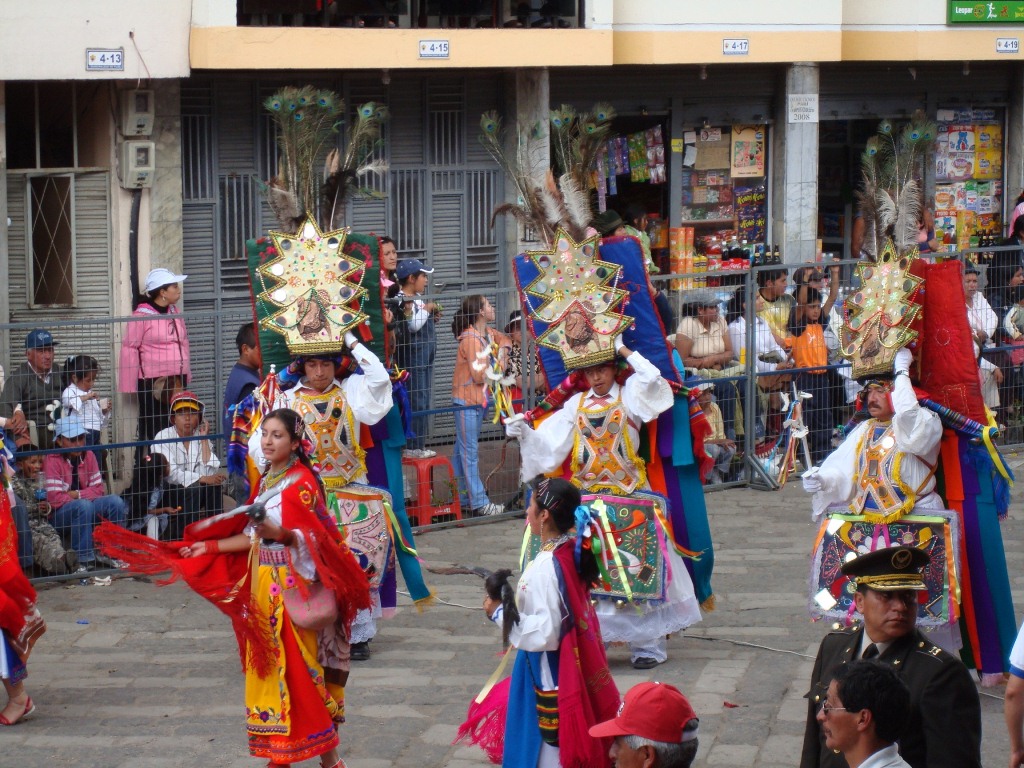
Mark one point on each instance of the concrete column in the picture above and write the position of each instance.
(5, 308)
(1014, 162)
(531, 108)
(795, 183)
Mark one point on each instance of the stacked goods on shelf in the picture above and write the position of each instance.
(968, 199)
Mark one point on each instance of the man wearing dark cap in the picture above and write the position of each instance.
(415, 346)
(34, 385)
(609, 224)
(655, 728)
(944, 728)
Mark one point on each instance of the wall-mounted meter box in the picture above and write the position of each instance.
(138, 164)
(137, 113)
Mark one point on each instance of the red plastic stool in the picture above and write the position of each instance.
(419, 504)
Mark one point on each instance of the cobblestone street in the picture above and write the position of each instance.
(133, 675)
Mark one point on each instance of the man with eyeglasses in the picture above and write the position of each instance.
(944, 726)
(864, 714)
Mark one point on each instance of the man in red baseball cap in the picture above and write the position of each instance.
(655, 728)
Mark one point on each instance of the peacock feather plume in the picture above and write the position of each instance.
(307, 121)
(892, 197)
(550, 198)
(344, 172)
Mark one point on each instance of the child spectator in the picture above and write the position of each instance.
(147, 510)
(74, 488)
(717, 446)
(193, 485)
(30, 488)
(81, 400)
(811, 353)
(245, 376)
(416, 346)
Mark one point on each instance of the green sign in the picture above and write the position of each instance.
(999, 12)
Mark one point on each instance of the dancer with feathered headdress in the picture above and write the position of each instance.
(923, 469)
(585, 299)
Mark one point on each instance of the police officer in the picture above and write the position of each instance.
(944, 729)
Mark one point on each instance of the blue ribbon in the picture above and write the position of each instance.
(583, 518)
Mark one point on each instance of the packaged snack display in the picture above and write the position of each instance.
(968, 201)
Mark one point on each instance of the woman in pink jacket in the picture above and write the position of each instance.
(154, 352)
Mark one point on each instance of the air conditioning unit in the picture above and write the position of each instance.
(138, 164)
(137, 113)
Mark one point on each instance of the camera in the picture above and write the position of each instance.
(395, 303)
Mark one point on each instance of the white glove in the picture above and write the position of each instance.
(516, 427)
(904, 359)
(350, 339)
(811, 481)
(618, 343)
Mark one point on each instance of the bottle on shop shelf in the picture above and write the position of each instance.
(776, 257)
(700, 265)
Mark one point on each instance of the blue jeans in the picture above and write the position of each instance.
(465, 459)
(20, 514)
(78, 517)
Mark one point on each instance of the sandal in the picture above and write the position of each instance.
(30, 707)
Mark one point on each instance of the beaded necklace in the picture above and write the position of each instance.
(273, 478)
(551, 544)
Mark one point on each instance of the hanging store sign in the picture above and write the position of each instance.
(1001, 12)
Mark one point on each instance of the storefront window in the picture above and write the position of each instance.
(724, 202)
(968, 201)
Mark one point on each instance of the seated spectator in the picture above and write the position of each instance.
(147, 508)
(774, 304)
(703, 343)
(655, 727)
(771, 359)
(45, 547)
(80, 399)
(246, 374)
(35, 384)
(717, 446)
(983, 324)
(74, 489)
(193, 485)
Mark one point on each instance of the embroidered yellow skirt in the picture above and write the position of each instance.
(290, 715)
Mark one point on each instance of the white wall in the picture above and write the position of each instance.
(47, 39)
(214, 13)
(886, 13)
(726, 14)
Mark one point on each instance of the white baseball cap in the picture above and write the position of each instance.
(160, 277)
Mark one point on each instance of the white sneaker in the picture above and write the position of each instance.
(489, 509)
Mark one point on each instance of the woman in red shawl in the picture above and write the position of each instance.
(20, 622)
(266, 576)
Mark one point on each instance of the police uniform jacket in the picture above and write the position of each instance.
(944, 729)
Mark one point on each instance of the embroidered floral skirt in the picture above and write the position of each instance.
(290, 714)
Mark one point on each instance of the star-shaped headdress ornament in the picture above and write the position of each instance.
(880, 315)
(311, 289)
(577, 298)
